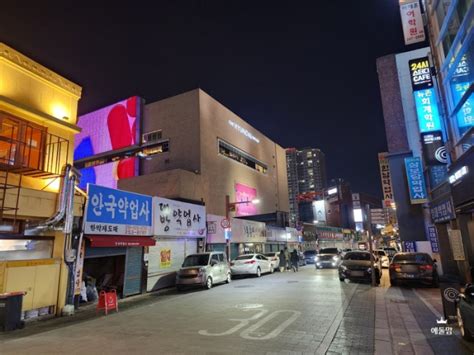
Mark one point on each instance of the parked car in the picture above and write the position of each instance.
(302, 259)
(345, 251)
(309, 256)
(251, 264)
(465, 312)
(274, 257)
(390, 252)
(418, 267)
(384, 258)
(356, 267)
(203, 269)
(327, 257)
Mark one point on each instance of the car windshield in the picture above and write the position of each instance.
(309, 252)
(196, 260)
(243, 257)
(412, 258)
(329, 251)
(269, 254)
(357, 256)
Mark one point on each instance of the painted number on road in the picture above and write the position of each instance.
(244, 322)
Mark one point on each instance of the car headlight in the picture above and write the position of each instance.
(201, 271)
(335, 257)
(316, 258)
(369, 270)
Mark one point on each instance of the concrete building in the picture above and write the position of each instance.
(37, 125)
(306, 175)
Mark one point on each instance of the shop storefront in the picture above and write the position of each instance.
(180, 230)
(281, 238)
(461, 235)
(117, 229)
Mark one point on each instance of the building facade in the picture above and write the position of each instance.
(38, 111)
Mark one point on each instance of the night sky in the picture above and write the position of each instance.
(303, 73)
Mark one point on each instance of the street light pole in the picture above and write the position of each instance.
(369, 231)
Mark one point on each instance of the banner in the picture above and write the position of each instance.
(116, 212)
(178, 219)
(412, 22)
(165, 258)
(416, 180)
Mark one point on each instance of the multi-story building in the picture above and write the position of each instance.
(306, 175)
(37, 125)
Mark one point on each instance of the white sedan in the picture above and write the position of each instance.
(274, 258)
(251, 264)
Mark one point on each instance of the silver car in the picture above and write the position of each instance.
(203, 269)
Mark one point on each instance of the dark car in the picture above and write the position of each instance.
(465, 312)
(413, 267)
(356, 267)
(309, 256)
(327, 257)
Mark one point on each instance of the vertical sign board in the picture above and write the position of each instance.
(460, 82)
(116, 212)
(412, 22)
(457, 246)
(433, 236)
(434, 151)
(427, 110)
(386, 179)
(409, 247)
(416, 180)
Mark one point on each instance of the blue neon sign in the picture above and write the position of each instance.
(416, 180)
(465, 116)
(427, 110)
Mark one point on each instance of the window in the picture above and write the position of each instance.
(152, 136)
(234, 153)
(25, 249)
(221, 257)
(215, 257)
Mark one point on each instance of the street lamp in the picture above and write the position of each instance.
(230, 206)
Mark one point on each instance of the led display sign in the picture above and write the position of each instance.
(420, 74)
(427, 110)
(465, 115)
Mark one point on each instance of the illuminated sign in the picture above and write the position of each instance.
(243, 131)
(108, 129)
(420, 74)
(465, 116)
(434, 151)
(386, 179)
(427, 110)
(412, 22)
(416, 180)
(332, 191)
(358, 217)
(458, 174)
(245, 193)
(319, 210)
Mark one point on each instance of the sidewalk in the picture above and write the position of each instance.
(404, 320)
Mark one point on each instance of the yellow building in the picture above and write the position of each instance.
(38, 112)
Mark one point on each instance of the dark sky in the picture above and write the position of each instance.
(303, 73)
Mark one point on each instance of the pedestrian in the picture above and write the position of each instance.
(282, 264)
(294, 260)
(287, 258)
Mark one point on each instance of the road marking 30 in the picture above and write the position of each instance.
(246, 321)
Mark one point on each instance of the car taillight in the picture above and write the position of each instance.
(250, 262)
(394, 266)
(426, 267)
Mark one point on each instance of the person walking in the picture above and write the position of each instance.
(294, 260)
(287, 258)
(282, 264)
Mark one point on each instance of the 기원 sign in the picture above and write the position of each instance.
(116, 212)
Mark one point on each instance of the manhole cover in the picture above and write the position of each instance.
(292, 282)
(395, 300)
(243, 286)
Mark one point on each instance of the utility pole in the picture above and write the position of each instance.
(369, 231)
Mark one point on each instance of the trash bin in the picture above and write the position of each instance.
(450, 287)
(10, 311)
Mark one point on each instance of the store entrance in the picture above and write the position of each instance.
(105, 273)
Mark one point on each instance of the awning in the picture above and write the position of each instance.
(102, 241)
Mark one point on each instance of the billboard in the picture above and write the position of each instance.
(412, 22)
(420, 74)
(115, 212)
(178, 219)
(434, 151)
(245, 193)
(319, 210)
(416, 180)
(105, 130)
(427, 110)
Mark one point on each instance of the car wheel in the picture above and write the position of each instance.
(229, 278)
(466, 335)
(259, 272)
(209, 283)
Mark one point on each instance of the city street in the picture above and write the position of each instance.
(306, 312)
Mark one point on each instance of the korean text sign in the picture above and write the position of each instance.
(117, 212)
(412, 22)
(416, 180)
(176, 218)
(427, 110)
(433, 236)
(386, 179)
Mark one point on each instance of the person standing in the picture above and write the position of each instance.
(287, 258)
(294, 260)
(282, 264)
